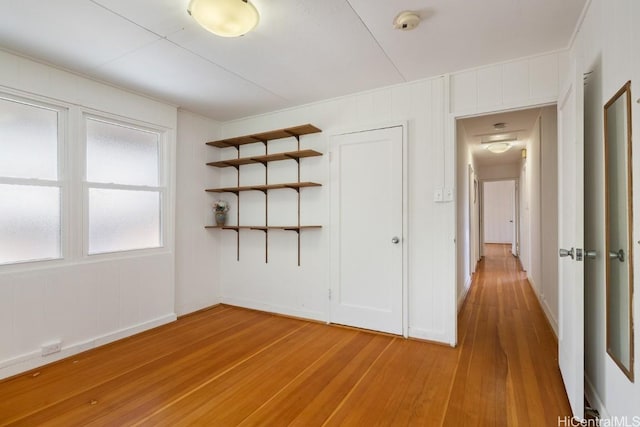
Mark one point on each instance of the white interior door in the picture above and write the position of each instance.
(367, 230)
(570, 240)
(499, 208)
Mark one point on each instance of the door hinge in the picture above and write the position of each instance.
(329, 294)
(330, 156)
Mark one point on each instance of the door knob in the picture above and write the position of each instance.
(617, 255)
(395, 240)
(591, 254)
(566, 253)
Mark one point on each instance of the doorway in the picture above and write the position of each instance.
(500, 219)
(518, 148)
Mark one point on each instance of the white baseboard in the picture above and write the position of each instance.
(435, 336)
(552, 320)
(423, 334)
(32, 360)
(545, 307)
(463, 296)
(594, 399)
(270, 308)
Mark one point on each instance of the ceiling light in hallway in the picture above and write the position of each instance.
(498, 147)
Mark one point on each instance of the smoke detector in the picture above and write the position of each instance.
(406, 21)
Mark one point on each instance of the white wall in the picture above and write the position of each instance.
(529, 208)
(467, 215)
(499, 172)
(282, 286)
(539, 206)
(84, 302)
(548, 285)
(197, 250)
(607, 44)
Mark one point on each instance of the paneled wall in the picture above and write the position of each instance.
(509, 85)
(84, 302)
(197, 251)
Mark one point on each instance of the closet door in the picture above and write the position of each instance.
(367, 230)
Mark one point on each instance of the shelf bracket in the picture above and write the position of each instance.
(297, 159)
(296, 189)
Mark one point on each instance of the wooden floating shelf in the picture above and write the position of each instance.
(236, 163)
(263, 137)
(292, 185)
(263, 228)
(291, 155)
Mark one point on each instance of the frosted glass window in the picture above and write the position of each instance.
(29, 223)
(122, 220)
(28, 141)
(121, 155)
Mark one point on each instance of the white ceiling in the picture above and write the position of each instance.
(302, 50)
(519, 123)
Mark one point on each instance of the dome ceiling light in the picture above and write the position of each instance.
(498, 143)
(498, 147)
(225, 18)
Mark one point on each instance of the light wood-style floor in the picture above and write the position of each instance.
(229, 366)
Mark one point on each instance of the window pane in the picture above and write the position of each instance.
(121, 155)
(29, 223)
(28, 141)
(121, 220)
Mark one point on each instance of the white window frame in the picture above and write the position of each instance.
(162, 188)
(62, 182)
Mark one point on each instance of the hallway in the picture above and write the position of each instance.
(508, 371)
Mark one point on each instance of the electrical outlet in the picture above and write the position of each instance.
(51, 347)
(437, 195)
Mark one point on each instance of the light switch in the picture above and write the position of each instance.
(448, 194)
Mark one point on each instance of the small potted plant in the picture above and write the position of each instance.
(220, 209)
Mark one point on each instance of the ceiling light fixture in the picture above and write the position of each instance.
(406, 21)
(225, 18)
(501, 137)
(498, 147)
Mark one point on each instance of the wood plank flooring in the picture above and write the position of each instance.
(229, 366)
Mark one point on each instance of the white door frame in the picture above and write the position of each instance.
(405, 215)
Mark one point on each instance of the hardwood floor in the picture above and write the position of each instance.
(229, 366)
